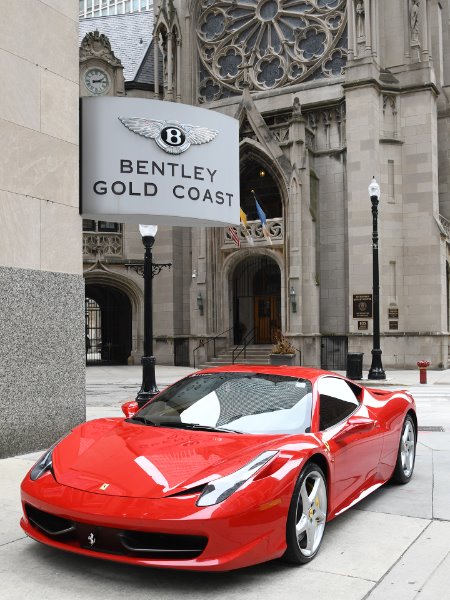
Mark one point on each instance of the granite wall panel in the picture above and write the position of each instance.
(42, 358)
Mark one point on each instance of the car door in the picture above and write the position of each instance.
(352, 436)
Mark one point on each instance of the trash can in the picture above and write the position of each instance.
(355, 365)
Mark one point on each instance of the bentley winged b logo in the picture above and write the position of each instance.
(172, 136)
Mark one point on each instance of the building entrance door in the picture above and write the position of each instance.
(256, 300)
(267, 318)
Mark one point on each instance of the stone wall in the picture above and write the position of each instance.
(42, 292)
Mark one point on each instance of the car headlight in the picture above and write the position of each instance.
(220, 489)
(43, 465)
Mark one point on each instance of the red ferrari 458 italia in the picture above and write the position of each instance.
(226, 468)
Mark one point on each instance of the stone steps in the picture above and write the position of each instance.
(254, 355)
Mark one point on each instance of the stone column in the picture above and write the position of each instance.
(367, 25)
(351, 30)
(374, 27)
(169, 66)
(406, 28)
(156, 64)
(363, 162)
(424, 29)
(178, 65)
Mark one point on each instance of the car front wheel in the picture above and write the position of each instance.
(307, 516)
(406, 452)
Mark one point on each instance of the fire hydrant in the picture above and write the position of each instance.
(423, 365)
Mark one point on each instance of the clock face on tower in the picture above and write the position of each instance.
(97, 81)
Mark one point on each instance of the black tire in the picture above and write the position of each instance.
(303, 543)
(406, 456)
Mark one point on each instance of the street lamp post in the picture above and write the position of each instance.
(148, 270)
(376, 370)
(148, 387)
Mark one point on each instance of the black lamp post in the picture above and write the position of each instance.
(148, 387)
(376, 370)
(148, 270)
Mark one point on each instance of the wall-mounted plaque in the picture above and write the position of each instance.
(362, 306)
(393, 313)
(393, 325)
(363, 325)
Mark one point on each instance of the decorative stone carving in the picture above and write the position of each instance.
(167, 37)
(360, 19)
(322, 124)
(97, 45)
(390, 115)
(391, 100)
(254, 234)
(296, 107)
(286, 41)
(414, 21)
(105, 244)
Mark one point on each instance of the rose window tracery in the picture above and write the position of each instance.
(268, 43)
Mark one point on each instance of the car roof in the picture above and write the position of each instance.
(300, 372)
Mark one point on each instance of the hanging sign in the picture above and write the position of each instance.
(147, 161)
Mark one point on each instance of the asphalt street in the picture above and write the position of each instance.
(395, 544)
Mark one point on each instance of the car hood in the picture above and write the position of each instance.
(117, 458)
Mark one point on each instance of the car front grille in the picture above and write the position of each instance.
(140, 544)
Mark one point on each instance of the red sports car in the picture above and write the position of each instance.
(226, 468)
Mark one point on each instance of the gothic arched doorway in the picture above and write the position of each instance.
(256, 299)
(108, 325)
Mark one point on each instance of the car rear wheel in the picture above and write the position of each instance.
(406, 452)
(307, 516)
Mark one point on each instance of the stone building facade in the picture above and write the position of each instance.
(42, 370)
(328, 93)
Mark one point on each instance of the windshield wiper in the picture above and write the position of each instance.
(196, 426)
(140, 419)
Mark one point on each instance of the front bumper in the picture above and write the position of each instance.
(246, 529)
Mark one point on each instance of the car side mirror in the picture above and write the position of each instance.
(130, 408)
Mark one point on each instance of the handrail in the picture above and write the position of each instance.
(208, 341)
(244, 344)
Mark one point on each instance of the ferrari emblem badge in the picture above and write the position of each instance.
(171, 136)
(104, 486)
(327, 445)
(91, 539)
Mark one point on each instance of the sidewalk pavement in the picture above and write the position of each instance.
(407, 377)
(392, 545)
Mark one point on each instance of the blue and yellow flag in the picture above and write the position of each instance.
(262, 218)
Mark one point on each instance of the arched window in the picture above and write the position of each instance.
(254, 176)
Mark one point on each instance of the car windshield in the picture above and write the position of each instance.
(244, 402)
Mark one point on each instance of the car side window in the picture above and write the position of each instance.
(337, 401)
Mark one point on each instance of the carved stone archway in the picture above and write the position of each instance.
(101, 282)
